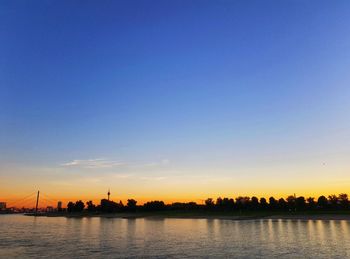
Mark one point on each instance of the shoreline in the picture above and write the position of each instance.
(319, 216)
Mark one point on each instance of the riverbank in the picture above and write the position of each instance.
(328, 215)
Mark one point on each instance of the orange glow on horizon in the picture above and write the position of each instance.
(14, 200)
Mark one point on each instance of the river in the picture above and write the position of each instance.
(42, 237)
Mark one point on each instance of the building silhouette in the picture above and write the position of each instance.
(59, 205)
(2, 205)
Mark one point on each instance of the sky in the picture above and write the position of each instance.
(174, 100)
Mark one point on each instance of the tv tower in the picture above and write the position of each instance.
(108, 193)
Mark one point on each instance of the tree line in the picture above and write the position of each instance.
(241, 203)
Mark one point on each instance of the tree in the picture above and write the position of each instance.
(184, 206)
(322, 202)
(70, 206)
(224, 204)
(273, 203)
(282, 204)
(209, 203)
(242, 202)
(333, 201)
(254, 202)
(311, 203)
(343, 200)
(263, 203)
(291, 201)
(300, 203)
(227, 203)
(219, 203)
(90, 206)
(154, 205)
(79, 206)
(131, 204)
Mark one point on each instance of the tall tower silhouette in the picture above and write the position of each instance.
(108, 193)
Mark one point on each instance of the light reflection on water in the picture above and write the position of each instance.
(25, 237)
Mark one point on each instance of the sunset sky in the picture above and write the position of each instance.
(174, 100)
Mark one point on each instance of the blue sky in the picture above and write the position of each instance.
(199, 88)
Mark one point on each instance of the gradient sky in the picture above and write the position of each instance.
(174, 100)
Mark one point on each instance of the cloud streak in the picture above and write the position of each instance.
(103, 163)
(93, 163)
(163, 162)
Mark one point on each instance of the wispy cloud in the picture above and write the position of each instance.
(153, 178)
(104, 163)
(93, 163)
(163, 162)
(123, 176)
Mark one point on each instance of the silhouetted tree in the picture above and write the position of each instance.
(254, 203)
(291, 202)
(209, 203)
(70, 206)
(311, 204)
(192, 205)
(228, 204)
(184, 206)
(90, 206)
(223, 204)
(131, 205)
(154, 205)
(273, 204)
(282, 204)
(218, 203)
(322, 202)
(333, 201)
(300, 203)
(242, 202)
(79, 206)
(343, 200)
(263, 204)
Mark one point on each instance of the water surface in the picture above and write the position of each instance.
(41, 237)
